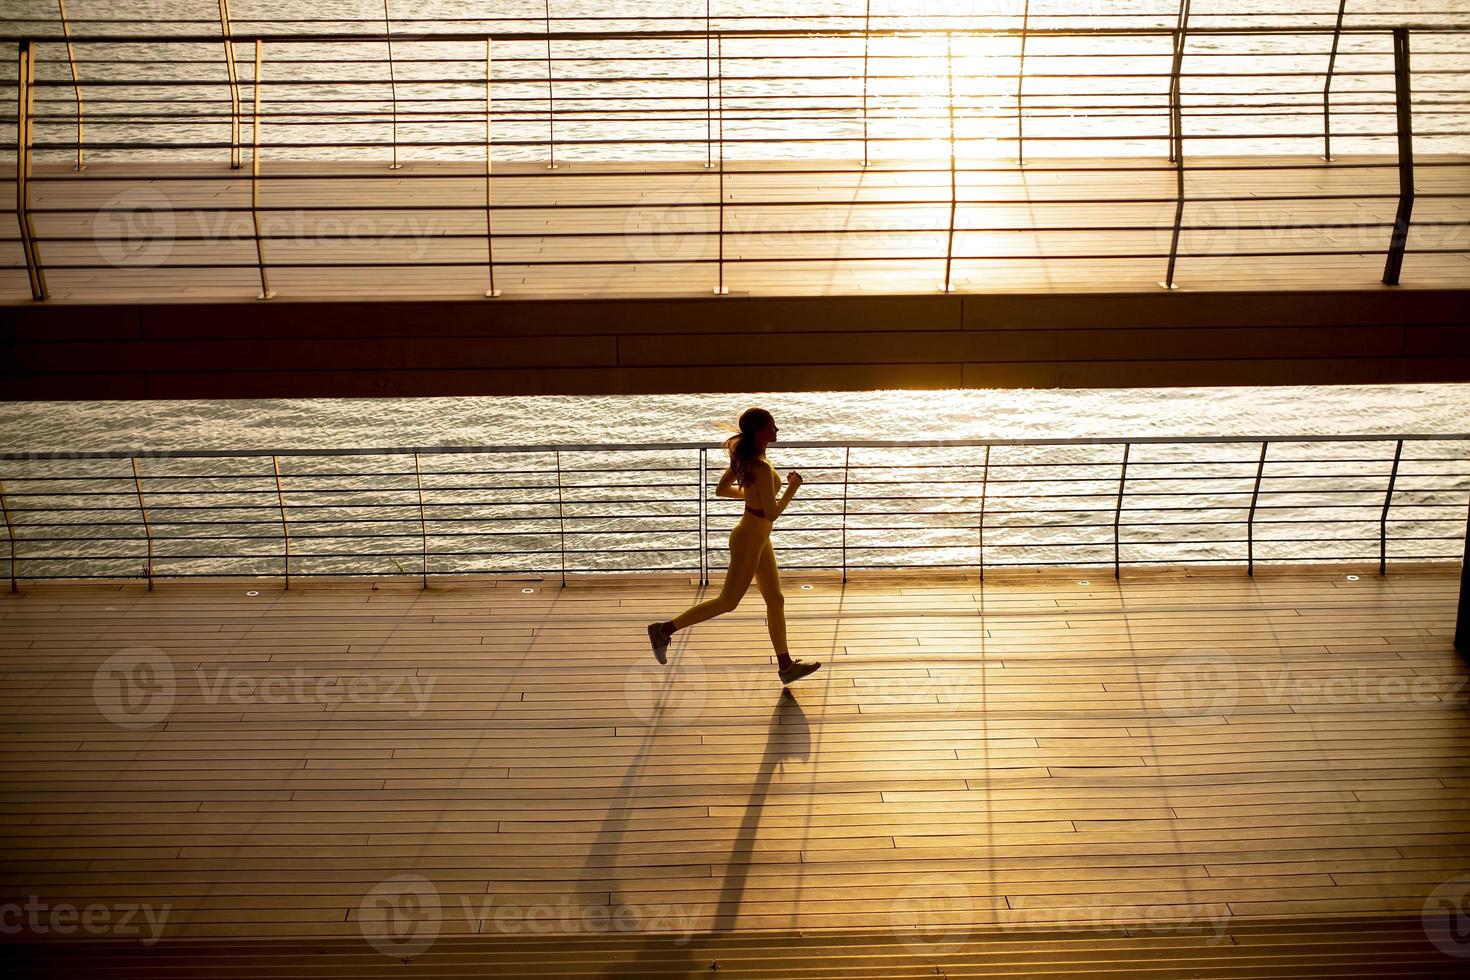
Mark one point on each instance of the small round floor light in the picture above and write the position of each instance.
(1352, 578)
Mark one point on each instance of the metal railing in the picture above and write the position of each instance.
(554, 511)
(554, 103)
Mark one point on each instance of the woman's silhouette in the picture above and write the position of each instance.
(751, 478)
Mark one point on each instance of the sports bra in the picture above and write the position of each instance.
(775, 484)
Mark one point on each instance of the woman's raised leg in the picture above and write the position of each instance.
(744, 554)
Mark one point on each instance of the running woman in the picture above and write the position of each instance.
(749, 477)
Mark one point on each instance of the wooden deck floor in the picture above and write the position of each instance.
(791, 233)
(1033, 752)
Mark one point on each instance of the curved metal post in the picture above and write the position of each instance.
(1462, 611)
(1393, 474)
(418, 476)
(1020, 82)
(1250, 518)
(846, 470)
(76, 85)
(285, 528)
(709, 122)
(948, 285)
(233, 74)
(147, 531)
(561, 519)
(703, 516)
(1181, 24)
(720, 288)
(489, 230)
(1403, 100)
(1327, 84)
(1118, 513)
(867, 29)
(984, 486)
(392, 86)
(10, 529)
(25, 105)
(1176, 141)
(255, 122)
(550, 97)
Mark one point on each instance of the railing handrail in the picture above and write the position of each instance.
(250, 37)
(793, 444)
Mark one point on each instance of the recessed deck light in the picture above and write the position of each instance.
(1352, 578)
(252, 593)
(806, 586)
(528, 590)
(1082, 581)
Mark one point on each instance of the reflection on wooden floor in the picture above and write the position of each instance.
(157, 232)
(1042, 751)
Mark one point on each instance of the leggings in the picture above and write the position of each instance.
(750, 555)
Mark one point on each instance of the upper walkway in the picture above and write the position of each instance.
(172, 232)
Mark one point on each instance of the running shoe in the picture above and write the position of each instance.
(659, 640)
(798, 670)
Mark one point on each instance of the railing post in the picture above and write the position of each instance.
(1020, 83)
(720, 288)
(1327, 84)
(489, 230)
(867, 32)
(285, 528)
(561, 520)
(76, 85)
(233, 74)
(1462, 612)
(948, 284)
(984, 484)
(703, 515)
(1118, 513)
(1387, 502)
(1181, 24)
(143, 510)
(1250, 519)
(255, 121)
(423, 522)
(709, 122)
(550, 97)
(1176, 141)
(25, 105)
(10, 529)
(392, 86)
(1403, 101)
(846, 469)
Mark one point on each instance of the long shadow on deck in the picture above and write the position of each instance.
(788, 737)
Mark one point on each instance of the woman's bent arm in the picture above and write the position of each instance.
(727, 487)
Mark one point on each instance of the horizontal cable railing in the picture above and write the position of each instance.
(548, 511)
(927, 117)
